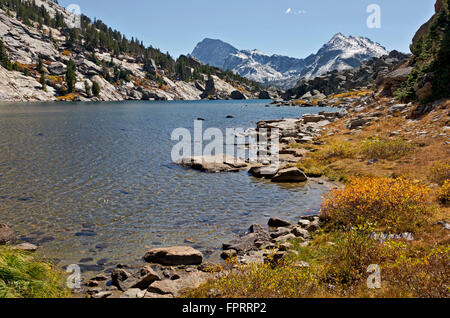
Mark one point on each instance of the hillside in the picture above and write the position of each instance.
(43, 57)
(340, 53)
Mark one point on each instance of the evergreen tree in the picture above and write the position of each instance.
(96, 89)
(4, 59)
(43, 82)
(71, 76)
(87, 88)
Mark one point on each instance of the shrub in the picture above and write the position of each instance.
(342, 150)
(397, 205)
(23, 277)
(390, 149)
(348, 263)
(444, 193)
(440, 172)
(417, 273)
(260, 281)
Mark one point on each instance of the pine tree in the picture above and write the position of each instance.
(71, 76)
(43, 82)
(96, 89)
(4, 59)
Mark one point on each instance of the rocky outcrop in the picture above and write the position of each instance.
(218, 163)
(25, 44)
(237, 95)
(290, 175)
(172, 256)
(340, 82)
(387, 84)
(14, 86)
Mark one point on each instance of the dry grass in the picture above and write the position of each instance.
(21, 276)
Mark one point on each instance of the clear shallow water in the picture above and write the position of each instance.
(96, 182)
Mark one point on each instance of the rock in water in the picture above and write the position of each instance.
(26, 247)
(173, 256)
(276, 222)
(6, 234)
(290, 175)
(217, 163)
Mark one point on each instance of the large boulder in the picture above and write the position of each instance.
(264, 95)
(237, 95)
(290, 175)
(387, 84)
(6, 234)
(57, 68)
(263, 172)
(173, 256)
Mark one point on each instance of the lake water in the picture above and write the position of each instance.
(95, 182)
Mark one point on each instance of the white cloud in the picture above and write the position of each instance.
(291, 11)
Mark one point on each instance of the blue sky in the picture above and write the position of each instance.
(295, 28)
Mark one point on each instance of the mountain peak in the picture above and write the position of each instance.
(213, 52)
(340, 53)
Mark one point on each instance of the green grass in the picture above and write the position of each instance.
(22, 276)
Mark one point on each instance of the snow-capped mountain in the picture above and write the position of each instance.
(340, 53)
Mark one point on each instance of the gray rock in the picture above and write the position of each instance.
(218, 163)
(57, 68)
(300, 233)
(172, 256)
(248, 242)
(280, 232)
(277, 222)
(290, 175)
(141, 279)
(263, 172)
(27, 247)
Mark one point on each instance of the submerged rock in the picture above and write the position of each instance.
(290, 175)
(6, 234)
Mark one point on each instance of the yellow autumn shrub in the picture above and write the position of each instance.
(444, 193)
(397, 205)
(390, 149)
(440, 172)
